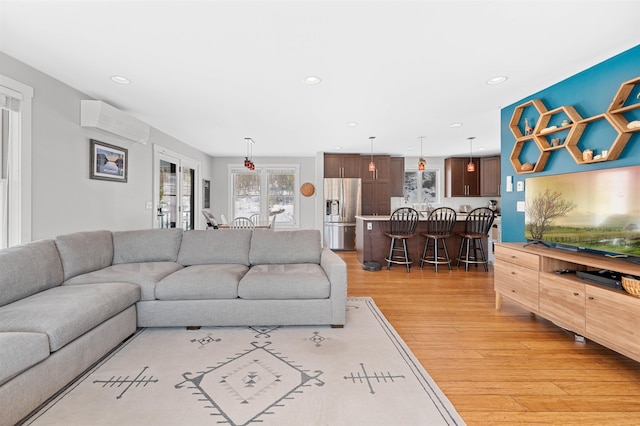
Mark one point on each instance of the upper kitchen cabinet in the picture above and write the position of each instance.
(342, 165)
(490, 176)
(458, 182)
(383, 167)
(397, 176)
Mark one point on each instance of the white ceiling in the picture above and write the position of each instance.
(211, 73)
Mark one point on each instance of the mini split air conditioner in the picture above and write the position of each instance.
(105, 118)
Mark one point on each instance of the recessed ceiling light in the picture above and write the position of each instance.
(497, 79)
(352, 124)
(120, 79)
(312, 79)
(455, 125)
(338, 148)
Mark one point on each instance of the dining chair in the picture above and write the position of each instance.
(255, 218)
(241, 223)
(439, 227)
(402, 226)
(476, 228)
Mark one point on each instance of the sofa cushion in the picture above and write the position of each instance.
(208, 247)
(299, 281)
(202, 282)
(19, 351)
(84, 252)
(147, 245)
(146, 275)
(299, 246)
(70, 311)
(28, 269)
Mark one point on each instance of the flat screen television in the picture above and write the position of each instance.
(597, 210)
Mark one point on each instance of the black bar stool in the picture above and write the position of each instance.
(402, 226)
(476, 228)
(440, 225)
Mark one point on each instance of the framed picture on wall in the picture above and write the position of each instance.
(206, 194)
(108, 162)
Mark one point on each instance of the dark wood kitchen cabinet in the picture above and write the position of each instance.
(383, 167)
(376, 197)
(342, 165)
(397, 176)
(458, 182)
(376, 185)
(490, 176)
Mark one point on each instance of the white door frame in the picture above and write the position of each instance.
(19, 179)
(159, 153)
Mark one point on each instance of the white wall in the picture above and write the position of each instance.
(64, 199)
(220, 185)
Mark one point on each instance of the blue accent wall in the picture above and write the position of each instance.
(590, 93)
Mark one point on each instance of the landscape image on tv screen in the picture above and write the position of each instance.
(597, 210)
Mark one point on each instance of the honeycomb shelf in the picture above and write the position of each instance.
(619, 106)
(615, 149)
(624, 108)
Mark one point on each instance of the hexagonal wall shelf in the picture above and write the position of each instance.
(522, 138)
(617, 109)
(514, 124)
(543, 131)
(614, 150)
(538, 166)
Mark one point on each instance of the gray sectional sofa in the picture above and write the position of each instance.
(66, 302)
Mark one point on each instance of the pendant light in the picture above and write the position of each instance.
(471, 167)
(372, 165)
(248, 160)
(422, 163)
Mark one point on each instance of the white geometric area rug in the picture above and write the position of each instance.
(362, 374)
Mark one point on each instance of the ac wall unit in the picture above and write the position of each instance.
(105, 118)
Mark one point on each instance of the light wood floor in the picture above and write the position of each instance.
(501, 367)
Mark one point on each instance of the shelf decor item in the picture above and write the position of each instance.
(108, 162)
(631, 285)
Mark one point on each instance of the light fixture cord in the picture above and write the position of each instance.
(371, 138)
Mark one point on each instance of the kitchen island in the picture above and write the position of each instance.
(373, 245)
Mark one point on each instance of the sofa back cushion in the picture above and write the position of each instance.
(147, 245)
(28, 269)
(281, 247)
(84, 252)
(215, 247)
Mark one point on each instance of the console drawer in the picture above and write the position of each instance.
(517, 283)
(528, 260)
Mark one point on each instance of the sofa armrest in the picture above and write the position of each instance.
(336, 270)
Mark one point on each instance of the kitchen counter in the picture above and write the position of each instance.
(373, 245)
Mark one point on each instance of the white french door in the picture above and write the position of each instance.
(176, 183)
(15, 162)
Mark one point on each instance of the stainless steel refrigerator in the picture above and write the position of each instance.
(342, 202)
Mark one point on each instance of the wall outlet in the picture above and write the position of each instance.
(148, 205)
(520, 186)
(520, 206)
(369, 226)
